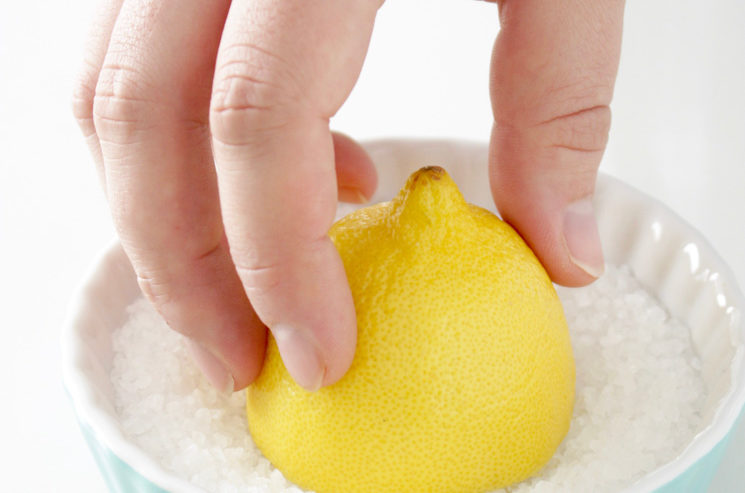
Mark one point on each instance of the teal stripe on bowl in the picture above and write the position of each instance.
(119, 476)
(698, 478)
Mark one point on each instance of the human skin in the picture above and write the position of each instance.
(209, 126)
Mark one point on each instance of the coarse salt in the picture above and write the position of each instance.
(639, 398)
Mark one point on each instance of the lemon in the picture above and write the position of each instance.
(463, 376)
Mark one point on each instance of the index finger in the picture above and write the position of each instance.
(283, 69)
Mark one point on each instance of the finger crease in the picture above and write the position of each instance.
(577, 149)
(209, 253)
(570, 115)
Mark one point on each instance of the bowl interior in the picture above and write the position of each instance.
(671, 259)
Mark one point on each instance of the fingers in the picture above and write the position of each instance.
(282, 71)
(150, 114)
(553, 71)
(355, 173)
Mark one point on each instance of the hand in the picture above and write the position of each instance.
(181, 99)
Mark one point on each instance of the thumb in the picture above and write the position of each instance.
(553, 70)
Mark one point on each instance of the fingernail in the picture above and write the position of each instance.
(582, 238)
(300, 355)
(352, 195)
(213, 369)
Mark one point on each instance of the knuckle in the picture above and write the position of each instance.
(253, 92)
(83, 94)
(584, 131)
(571, 94)
(259, 278)
(271, 271)
(163, 296)
(171, 283)
(121, 104)
(571, 113)
(157, 289)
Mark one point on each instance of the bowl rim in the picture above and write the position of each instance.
(732, 405)
(107, 431)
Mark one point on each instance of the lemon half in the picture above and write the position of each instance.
(463, 376)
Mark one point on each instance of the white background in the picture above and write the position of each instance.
(678, 134)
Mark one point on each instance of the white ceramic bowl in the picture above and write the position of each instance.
(666, 254)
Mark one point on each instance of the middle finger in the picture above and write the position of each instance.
(151, 115)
